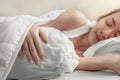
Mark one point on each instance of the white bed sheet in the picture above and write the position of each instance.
(89, 75)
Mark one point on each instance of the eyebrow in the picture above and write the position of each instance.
(113, 20)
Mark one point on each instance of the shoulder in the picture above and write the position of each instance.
(74, 15)
(71, 19)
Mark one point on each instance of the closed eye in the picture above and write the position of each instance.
(109, 23)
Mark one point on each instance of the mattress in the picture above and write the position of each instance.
(89, 75)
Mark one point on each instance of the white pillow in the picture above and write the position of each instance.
(111, 45)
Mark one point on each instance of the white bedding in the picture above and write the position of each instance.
(89, 75)
(60, 55)
(12, 33)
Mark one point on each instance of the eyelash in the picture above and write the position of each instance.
(107, 23)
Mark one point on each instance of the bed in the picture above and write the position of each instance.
(88, 75)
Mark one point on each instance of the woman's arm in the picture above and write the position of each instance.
(108, 61)
(92, 63)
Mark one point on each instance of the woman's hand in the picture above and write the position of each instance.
(32, 47)
(113, 62)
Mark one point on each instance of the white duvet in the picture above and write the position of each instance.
(60, 54)
(12, 33)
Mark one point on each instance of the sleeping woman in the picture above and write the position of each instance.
(64, 49)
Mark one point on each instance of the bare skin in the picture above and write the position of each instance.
(72, 19)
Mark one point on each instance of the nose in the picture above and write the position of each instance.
(107, 33)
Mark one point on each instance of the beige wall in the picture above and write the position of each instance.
(92, 8)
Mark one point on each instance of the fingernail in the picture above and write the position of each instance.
(47, 41)
(43, 58)
(31, 61)
(38, 62)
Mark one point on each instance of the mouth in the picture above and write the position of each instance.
(97, 37)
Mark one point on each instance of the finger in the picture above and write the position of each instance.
(43, 36)
(39, 47)
(20, 54)
(27, 53)
(32, 50)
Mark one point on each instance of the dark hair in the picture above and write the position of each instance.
(115, 11)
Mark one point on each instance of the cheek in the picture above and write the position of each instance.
(97, 28)
(100, 25)
(91, 37)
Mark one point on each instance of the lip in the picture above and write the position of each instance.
(97, 37)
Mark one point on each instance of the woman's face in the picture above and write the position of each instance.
(105, 28)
